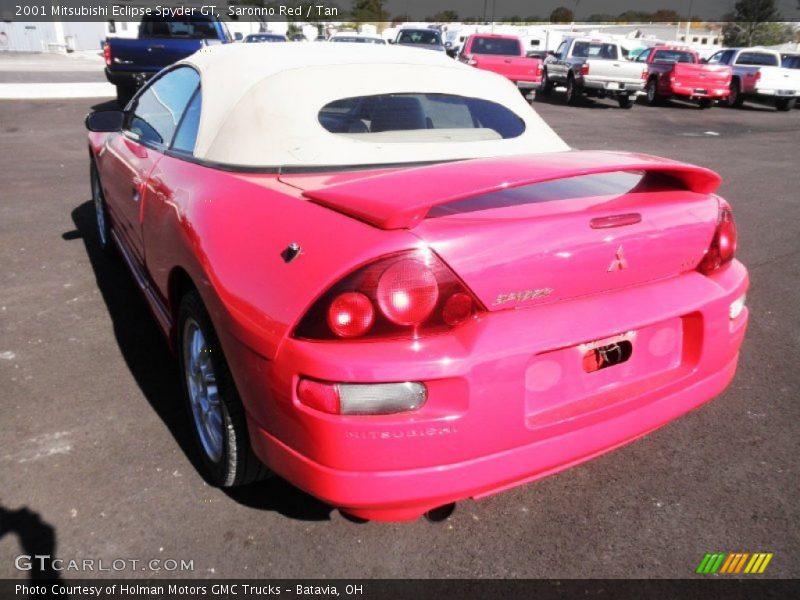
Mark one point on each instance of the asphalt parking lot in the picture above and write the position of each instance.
(96, 462)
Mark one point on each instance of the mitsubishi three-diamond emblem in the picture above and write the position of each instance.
(619, 262)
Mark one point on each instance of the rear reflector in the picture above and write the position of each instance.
(362, 398)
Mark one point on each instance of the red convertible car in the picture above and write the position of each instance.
(389, 281)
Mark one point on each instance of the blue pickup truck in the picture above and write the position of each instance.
(161, 42)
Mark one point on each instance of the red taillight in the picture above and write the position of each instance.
(407, 292)
(758, 75)
(350, 314)
(540, 68)
(403, 295)
(585, 69)
(457, 308)
(107, 54)
(723, 245)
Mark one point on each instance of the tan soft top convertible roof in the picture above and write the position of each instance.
(261, 103)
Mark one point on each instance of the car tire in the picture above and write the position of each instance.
(625, 101)
(785, 104)
(651, 93)
(215, 411)
(546, 86)
(124, 95)
(705, 103)
(572, 95)
(101, 219)
(735, 100)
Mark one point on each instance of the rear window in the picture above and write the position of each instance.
(757, 58)
(595, 50)
(260, 38)
(791, 62)
(420, 118)
(673, 56)
(357, 40)
(422, 36)
(501, 47)
(169, 28)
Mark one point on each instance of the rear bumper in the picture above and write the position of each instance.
(611, 87)
(407, 494)
(776, 93)
(718, 93)
(508, 399)
(129, 79)
(528, 85)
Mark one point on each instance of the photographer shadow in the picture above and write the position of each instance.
(155, 371)
(37, 538)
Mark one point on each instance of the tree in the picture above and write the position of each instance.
(755, 23)
(293, 30)
(666, 16)
(446, 16)
(369, 10)
(562, 15)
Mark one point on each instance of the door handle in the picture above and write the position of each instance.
(155, 47)
(137, 150)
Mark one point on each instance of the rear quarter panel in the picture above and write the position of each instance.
(228, 231)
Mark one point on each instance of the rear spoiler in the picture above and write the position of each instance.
(400, 199)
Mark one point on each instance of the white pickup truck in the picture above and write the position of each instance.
(757, 75)
(594, 67)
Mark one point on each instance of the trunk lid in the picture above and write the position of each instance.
(613, 71)
(701, 76)
(151, 54)
(779, 78)
(521, 231)
(516, 68)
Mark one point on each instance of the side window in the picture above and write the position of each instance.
(186, 136)
(718, 58)
(157, 111)
(562, 50)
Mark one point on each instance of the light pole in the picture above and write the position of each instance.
(688, 22)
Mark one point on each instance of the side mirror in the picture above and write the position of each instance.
(391, 41)
(238, 36)
(704, 61)
(105, 121)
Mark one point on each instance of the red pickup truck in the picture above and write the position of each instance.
(502, 54)
(675, 71)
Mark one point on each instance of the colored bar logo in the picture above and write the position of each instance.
(732, 563)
